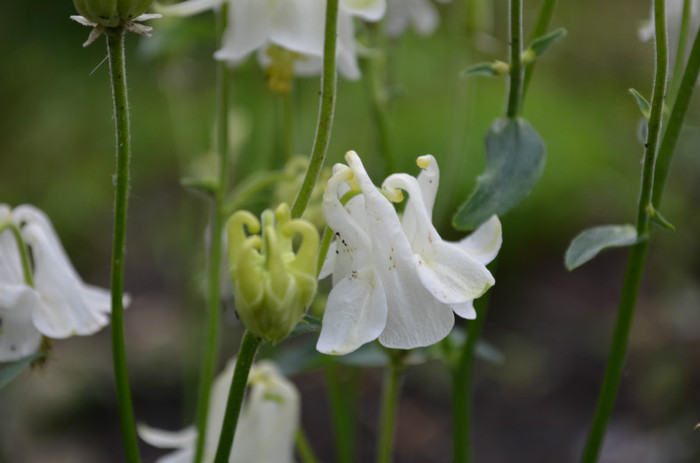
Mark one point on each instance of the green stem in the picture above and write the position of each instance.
(287, 126)
(540, 29)
(463, 382)
(211, 338)
(680, 52)
(341, 411)
(375, 79)
(515, 90)
(246, 354)
(117, 68)
(675, 122)
(304, 447)
(638, 253)
(23, 251)
(390, 402)
(325, 113)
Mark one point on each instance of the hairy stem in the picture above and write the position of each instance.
(325, 113)
(117, 70)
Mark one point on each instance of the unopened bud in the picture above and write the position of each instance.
(111, 13)
(272, 284)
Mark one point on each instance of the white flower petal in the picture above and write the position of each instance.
(356, 313)
(415, 318)
(167, 439)
(10, 260)
(420, 13)
(465, 310)
(248, 28)
(298, 25)
(188, 8)
(356, 310)
(484, 242)
(448, 272)
(64, 311)
(18, 336)
(346, 54)
(329, 262)
(369, 10)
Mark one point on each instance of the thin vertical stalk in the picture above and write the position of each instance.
(675, 122)
(541, 27)
(117, 70)
(390, 402)
(463, 382)
(304, 448)
(342, 414)
(246, 354)
(638, 253)
(515, 90)
(680, 52)
(211, 337)
(325, 114)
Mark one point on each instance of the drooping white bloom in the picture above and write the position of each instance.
(421, 15)
(295, 25)
(397, 280)
(266, 426)
(59, 304)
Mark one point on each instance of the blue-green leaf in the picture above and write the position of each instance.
(495, 68)
(11, 371)
(541, 44)
(515, 159)
(308, 324)
(589, 243)
(642, 102)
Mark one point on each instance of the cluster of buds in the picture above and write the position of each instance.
(272, 283)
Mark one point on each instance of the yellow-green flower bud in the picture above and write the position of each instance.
(111, 13)
(272, 283)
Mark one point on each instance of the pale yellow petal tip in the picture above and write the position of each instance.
(350, 155)
(394, 195)
(423, 161)
(697, 426)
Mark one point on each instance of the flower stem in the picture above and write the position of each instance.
(211, 338)
(638, 253)
(23, 251)
(246, 354)
(390, 402)
(304, 447)
(680, 52)
(374, 70)
(515, 90)
(541, 27)
(341, 410)
(675, 122)
(117, 68)
(463, 382)
(325, 113)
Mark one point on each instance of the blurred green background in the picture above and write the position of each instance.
(553, 327)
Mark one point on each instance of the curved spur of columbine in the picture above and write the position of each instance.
(59, 304)
(265, 432)
(272, 284)
(411, 281)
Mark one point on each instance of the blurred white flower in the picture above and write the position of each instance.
(397, 280)
(59, 304)
(421, 15)
(265, 432)
(295, 25)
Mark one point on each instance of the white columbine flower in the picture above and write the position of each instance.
(59, 304)
(420, 14)
(397, 280)
(295, 25)
(266, 426)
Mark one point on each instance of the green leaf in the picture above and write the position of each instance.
(642, 102)
(589, 243)
(496, 68)
(11, 371)
(542, 44)
(515, 159)
(200, 185)
(308, 324)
